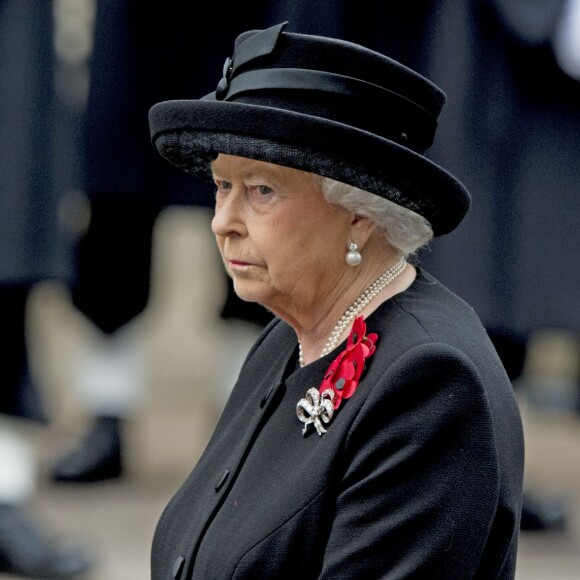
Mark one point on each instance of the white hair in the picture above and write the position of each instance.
(404, 229)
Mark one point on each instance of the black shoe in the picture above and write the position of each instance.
(26, 551)
(543, 515)
(96, 458)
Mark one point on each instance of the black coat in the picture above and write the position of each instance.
(418, 476)
(33, 243)
(29, 230)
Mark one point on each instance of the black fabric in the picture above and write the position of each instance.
(418, 476)
(29, 197)
(512, 349)
(340, 56)
(112, 281)
(32, 244)
(253, 46)
(18, 393)
(407, 124)
(141, 55)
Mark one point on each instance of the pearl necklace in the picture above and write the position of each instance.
(357, 306)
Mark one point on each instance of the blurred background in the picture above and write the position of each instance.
(123, 335)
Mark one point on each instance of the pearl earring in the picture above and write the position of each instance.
(353, 256)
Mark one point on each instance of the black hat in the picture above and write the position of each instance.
(325, 106)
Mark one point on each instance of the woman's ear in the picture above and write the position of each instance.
(361, 228)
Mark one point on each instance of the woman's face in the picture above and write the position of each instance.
(281, 242)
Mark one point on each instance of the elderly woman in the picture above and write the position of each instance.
(373, 432)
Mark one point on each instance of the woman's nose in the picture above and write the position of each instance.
(228, 215)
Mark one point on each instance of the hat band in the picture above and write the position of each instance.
(407, 123)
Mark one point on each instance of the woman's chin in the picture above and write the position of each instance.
(251, 290)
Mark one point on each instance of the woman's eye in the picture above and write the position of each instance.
(264, 190)
(223, 185)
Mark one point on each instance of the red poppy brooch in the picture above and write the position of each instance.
(340, 380)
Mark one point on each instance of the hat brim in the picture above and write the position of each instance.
(191, 133)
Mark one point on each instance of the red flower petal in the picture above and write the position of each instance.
(349, 389)
(365, 350)
(348, 366)
(347, 371)
(358, 358)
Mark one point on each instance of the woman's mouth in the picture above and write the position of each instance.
(238, 263)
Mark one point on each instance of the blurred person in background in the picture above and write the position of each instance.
(137, 60)
(30, 251)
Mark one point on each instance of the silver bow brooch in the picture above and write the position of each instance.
(315, 409)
